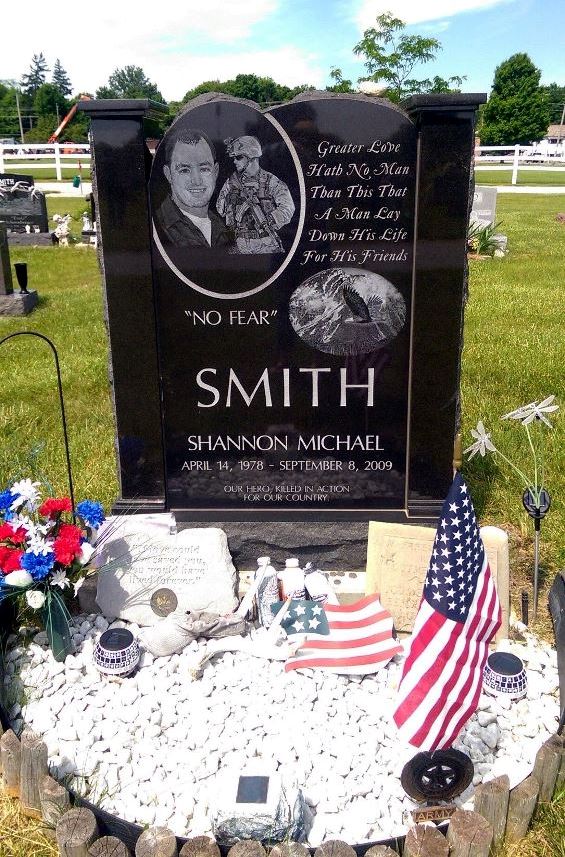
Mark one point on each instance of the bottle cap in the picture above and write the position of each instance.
(292, 563)
(263, 560)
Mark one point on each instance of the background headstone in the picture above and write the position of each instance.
(21, 204)
(398, 557)
(483, 210)
(154, 574)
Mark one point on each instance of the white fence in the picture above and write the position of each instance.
(44, 156)
(512, 157)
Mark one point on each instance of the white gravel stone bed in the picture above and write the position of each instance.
(150, 748)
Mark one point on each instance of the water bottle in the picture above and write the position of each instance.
(268, 591)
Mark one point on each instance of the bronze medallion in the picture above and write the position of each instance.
(163, 602)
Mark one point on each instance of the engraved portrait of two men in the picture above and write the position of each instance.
(241, 215)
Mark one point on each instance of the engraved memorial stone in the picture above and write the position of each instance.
(152, 577)
(306, 269)
(397, 561)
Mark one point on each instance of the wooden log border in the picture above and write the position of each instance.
(87, 831)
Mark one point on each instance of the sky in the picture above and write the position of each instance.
(181, 44)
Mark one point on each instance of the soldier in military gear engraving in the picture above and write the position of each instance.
(254, 202)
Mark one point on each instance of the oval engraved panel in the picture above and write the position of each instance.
(227, 199)
(347, 311)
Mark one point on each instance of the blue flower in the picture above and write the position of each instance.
(91, 513)
(38, 565)
(6, 499)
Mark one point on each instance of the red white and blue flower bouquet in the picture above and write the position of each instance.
(46, 552)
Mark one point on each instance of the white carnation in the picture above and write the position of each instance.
(20, 577)
(35, 599)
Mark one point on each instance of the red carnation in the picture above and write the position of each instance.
(8, 534)
(9, 559)
(67, 544)
(54, 506)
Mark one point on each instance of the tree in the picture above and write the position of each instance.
(341, 84)
(48, 101)
(556, 101)
(440, 84)
(130, 82)
(517, 110)
(263, 90)
(61, 79)
(9, 125)
(391, 55)
(36, 76)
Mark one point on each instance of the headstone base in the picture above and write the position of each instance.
(18, 304)
(30, 239)
(89, 236)
(326, 545)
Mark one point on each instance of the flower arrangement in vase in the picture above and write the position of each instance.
(46, 552)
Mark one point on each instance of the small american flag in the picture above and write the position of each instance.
(302, 618)
(359, 641)
(459, 615)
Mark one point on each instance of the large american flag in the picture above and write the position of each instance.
(459, 615)
(359, 641)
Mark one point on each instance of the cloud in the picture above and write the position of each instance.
(414, 11)
(286, 65)
(434, 28)
(115, 33)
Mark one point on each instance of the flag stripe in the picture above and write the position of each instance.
(474, 683)
(433, 676)
(348, 644)
(458, 616)
(456, 668)
(359, 641)
(351, 661)
(364, 622)
(356, 607)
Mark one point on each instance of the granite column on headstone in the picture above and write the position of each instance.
(446, 128)
(6, 285)
(121, 162)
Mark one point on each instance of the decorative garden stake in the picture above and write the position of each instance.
(60, 391)
(41, 553)
(536, 499)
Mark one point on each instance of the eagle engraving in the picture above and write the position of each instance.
(356, 304)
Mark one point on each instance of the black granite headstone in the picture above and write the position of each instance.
(285, 300)
(22, 204)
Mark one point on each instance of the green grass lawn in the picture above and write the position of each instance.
(531, 178)
(67, 173)
(70, 313)
(514, 353)
(24, 167)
